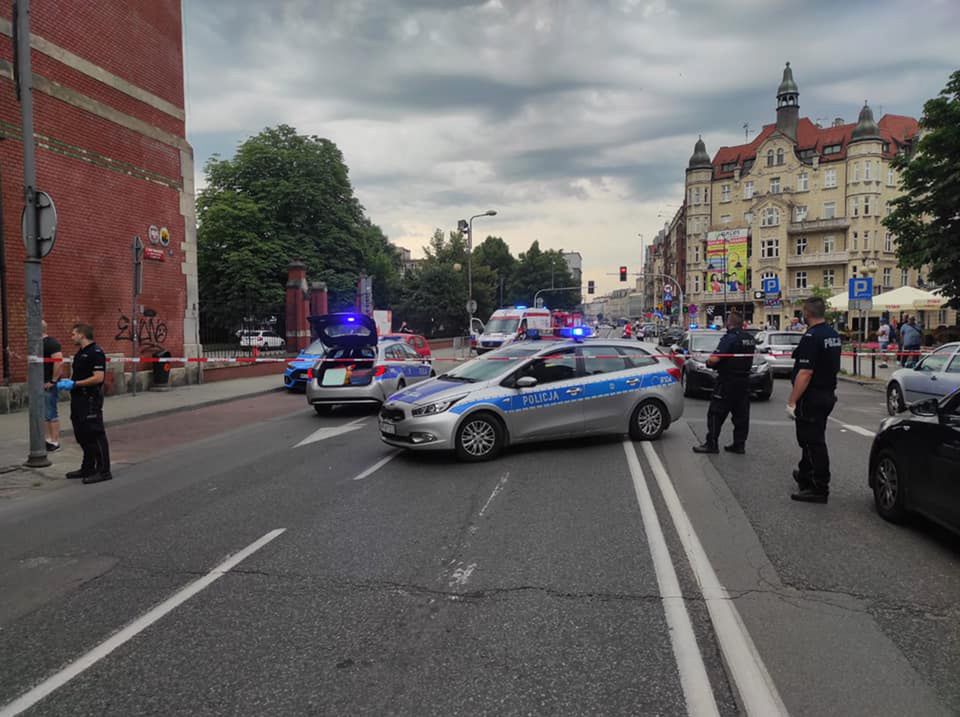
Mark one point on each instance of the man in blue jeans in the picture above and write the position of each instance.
(52, 370)
(911, 338)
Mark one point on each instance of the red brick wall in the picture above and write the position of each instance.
(101, 203)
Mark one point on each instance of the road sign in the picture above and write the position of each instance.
(860, 304)
(539, 302)
(692, 310)
(771, 285)
(667, 295)
(860, 288)
(759, 296)
(471, 306)
(46, 224)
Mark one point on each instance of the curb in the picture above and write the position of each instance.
(878, 385)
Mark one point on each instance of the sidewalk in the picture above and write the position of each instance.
(14, 431)
(864, 377)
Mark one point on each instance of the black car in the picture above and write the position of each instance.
(698, 378)
(671, 336)
(915, 463)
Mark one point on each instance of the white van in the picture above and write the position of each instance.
(505, 325)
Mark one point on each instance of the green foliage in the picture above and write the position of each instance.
(537, 269)
(434, 296)
(826, 294)
(925, 217)
(285, 196)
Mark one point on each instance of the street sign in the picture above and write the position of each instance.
(860, 304)
(771, 285)
(539, 302)
(693, 310)
(46, 224)
(471, 306)
(860, 288)
(759, 296)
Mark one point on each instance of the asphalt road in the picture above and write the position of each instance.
(411, 584)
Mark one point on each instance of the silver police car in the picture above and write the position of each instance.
(357, 368)
(534, 391)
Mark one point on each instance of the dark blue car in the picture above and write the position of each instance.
(295, 377)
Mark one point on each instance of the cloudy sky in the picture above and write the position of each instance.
(574, 119)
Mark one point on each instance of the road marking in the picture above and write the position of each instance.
(461, 575)
(855, 429)
(757, 690)
(496, 490)
(376, 466)
(321, 434)
(48, 686)
(697, 692)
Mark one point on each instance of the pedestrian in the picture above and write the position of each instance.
(910, 340)
(627, 331)
(52, 370)
(404, 329)
(883, 338)
(816, 363)
(86, 406)
(731, 393)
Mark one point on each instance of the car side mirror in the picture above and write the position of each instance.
(526, 382)
(926, 407)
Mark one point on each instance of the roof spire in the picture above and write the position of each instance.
(700, 159)
(867, 127)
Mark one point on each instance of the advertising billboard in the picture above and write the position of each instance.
(727, 248)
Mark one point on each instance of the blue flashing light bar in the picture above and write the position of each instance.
(351, 319)
(518, 306)
(577, 333)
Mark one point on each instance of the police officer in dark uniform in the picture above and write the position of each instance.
(86, 406)
(731, 393)
(815, 368)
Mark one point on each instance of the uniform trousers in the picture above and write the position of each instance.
(730, 397)
(812, 411)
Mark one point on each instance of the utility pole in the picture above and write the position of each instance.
(38, 450)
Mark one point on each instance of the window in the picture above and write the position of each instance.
(799, 214)
(904, 277)
(775, 185)
(856, 241)
(696, 254)
(855, 207)
(696, 283)
(856, 171)
(800, 280)
(728, 167)
(830, 179)
(888, 242)
(829, 244)
(748, 164)
(829, 278)
(937, 361)
(779, 157)
(769, 248)
(889, 209)
(768, 275)
(725, 193)
(832, 149)
(770, 218)
(770, 158)
(829, 210)
(866, 206)
(748, 218)
(803, 182)
(725, 219)
(801, 246)
(637, 356)
(748, 190)
(706, 195)
(891, 177)
(602, 359)
(690, 200)
(866, 241)
(558, 366)
(696, 195)
(867, 171)
(887, 277)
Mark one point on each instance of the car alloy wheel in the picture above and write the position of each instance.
(894, 399)
(888, 483)
(649, 421)
(478, 438)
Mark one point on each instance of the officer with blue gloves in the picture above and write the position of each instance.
(86, 406)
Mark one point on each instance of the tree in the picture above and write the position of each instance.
(537, 269)
(433, 299)
(832, 316)
(492, 264)
(926, 218)
(285, 196)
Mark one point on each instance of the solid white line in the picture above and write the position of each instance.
(322, 434)
(373, 469)
(48, 686)
(697, 692)
(754, 684)
(855, 429)
(496, 490)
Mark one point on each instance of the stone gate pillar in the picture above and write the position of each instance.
(297, 306)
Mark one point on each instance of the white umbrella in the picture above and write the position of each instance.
(838, 302)
(907, 297)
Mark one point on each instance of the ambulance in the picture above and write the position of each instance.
(507, 325)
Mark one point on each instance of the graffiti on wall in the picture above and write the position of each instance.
(151, 330)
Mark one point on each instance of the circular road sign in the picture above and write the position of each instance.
(472, 306)
(46, 224)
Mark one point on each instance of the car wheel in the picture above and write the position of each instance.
(895, 402)
(764, 395)
(401, 384)
(649, 421)
(888, 487)
(687, 391)
(433, 374)
(323, 409)
(479, 438)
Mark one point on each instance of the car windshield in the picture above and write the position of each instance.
(784, 339)
(705, 342)
(501, 326)
(491, 365)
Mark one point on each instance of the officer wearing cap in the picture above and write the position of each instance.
(86, 406)
(732, 361)
(816, 363)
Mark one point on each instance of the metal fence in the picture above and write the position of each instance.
(260, 330)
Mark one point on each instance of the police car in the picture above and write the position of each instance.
(356, 368)
(531, 391)
(295, 375)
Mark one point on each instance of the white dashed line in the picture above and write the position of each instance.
(854, 429)
(378, 465)
(496, 490)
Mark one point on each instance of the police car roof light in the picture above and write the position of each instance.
(518, 306)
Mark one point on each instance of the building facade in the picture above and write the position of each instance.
(575, 265)
(811, 200)
(109, 126)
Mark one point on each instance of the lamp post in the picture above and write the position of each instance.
(469, 228)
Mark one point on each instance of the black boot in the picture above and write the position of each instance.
(737, 448)
(811, 494)
(706, 448)
(802, 482)
(97, 478)
(81, 473)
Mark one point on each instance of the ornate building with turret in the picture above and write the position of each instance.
(811, 199)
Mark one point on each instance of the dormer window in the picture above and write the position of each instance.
(831, 149)
(728, 167)
(779, 157)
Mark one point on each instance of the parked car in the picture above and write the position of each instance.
(671, 336)
(915, 463)
(698, 378)
(263, 340)
(777, 347)
(415, 341)
(357, 369)
(295, 377)
(934, 376)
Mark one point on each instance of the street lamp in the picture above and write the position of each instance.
(469, 228)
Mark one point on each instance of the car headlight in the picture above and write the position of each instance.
(431, 409)
(697, 364)
(761, 367)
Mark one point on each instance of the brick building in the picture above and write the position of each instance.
(112, 152)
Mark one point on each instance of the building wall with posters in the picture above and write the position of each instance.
(111, 150)
(810, 200)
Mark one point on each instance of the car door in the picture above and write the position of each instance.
(951, 376)
(554, 407)
(609, 382)
(944, 478)
(392, 357)
(926, 378)
(415, 367)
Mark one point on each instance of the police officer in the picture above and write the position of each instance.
(731, 393)
(86, 406)
(815, 368)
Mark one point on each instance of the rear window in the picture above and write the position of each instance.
(792, 339)
(705, 342)
(360, 352)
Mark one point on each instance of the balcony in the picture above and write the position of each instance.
(819, 258)
(819, 225)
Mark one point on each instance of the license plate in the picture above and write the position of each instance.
(388, 428)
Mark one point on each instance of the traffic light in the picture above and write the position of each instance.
(590, 287)
(623, 273)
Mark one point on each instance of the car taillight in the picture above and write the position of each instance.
(379, 370)
(675, 372)
(310, 373)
